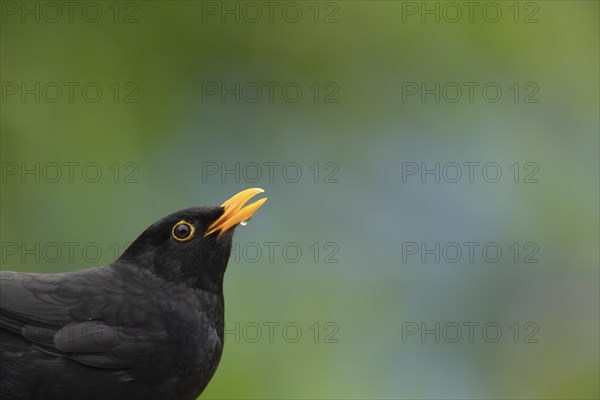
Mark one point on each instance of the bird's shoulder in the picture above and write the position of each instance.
(114, 294)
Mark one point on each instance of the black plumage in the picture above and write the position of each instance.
(148, 326)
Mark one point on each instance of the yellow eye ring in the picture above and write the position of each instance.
(183, 231)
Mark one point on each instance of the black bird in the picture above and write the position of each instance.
(148, 326)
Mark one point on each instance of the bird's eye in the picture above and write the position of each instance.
(183, 231)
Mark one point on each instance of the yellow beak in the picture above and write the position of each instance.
(235, 212)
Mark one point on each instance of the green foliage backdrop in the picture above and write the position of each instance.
(169, 116)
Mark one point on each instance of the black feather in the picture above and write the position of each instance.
(148, 326)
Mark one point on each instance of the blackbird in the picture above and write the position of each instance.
(148, 326)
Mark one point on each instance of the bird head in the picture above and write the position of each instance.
(192, 246)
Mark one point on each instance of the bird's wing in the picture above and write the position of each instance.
(20, 304)
(74, 316)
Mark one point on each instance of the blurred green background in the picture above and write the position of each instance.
(169, 114)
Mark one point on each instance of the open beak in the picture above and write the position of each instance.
(235, 212)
